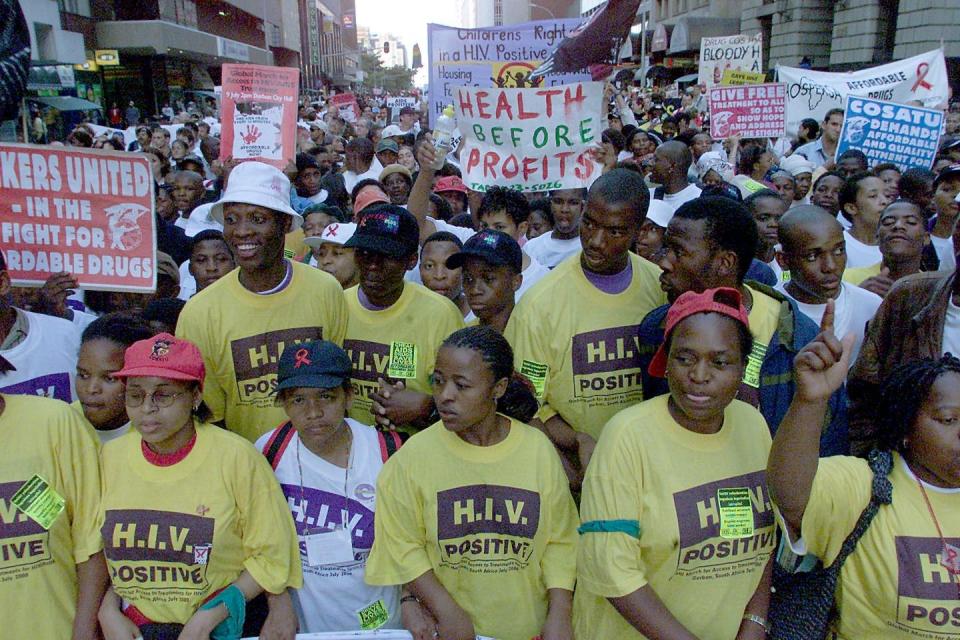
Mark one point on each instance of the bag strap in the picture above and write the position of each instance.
(881, 463)
(390, 441)
(277, 443)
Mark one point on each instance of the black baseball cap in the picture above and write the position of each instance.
(319, 364)
(952, 171)
(495, 247)
(387, 229)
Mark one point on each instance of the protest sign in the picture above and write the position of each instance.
(500, 57)
(735, 53)
(530, 139)
(890, 132)
(740, 78)
(259, 110)
(399, 102)
(752, 111)
(86, 212)
(346, 105)
(810, 94)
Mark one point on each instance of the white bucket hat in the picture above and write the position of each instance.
(335, 232)
(260, 184)
(797, 165)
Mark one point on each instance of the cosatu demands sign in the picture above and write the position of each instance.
(89, 213)
(530, 139)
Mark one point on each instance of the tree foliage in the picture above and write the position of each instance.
(392, 79)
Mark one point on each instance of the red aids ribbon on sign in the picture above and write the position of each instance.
(301, 358)
(922, 70)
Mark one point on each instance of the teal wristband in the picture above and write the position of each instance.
(629, 527)
(235, 602)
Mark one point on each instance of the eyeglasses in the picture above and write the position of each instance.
(160, 399)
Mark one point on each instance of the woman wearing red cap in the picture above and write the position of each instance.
(677, 528)
(194, 524)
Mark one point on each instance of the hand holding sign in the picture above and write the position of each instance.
(821, 366)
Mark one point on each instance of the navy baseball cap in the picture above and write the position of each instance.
(319, 364)
(494, 247)
(387, 229)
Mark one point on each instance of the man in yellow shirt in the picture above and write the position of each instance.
(395, 327)
(710, 242)
(574, 332)
(243, 321)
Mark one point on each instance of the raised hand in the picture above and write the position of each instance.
(821, 366)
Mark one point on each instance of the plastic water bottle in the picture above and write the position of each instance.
(443, 136)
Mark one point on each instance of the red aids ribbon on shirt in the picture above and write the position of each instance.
(922, 69)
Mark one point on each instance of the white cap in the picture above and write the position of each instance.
(335, 232)
(796, 165)
(260, 184)
(712, 160)
(391, 131)
(660, 213)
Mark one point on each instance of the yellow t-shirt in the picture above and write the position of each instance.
(242, 334)
(175, 535)
(764, 320)
(397, 343)
(579, 345)
(859, 274)
(38, 574)
(673, 484)
(892, 586)
(497, 525)
(294, 247)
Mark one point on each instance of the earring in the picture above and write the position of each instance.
(905, 444)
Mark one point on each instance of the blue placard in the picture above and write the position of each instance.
(905, 135)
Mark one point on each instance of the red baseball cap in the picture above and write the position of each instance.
(723, 300)
(163, 356)
(450, 183)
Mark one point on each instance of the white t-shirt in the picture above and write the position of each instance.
(350, 178)
(944, 249)
(688, 193)
(106, 435)
(332, 595)
(550, 251)
(45, 361)
(198, 221)
(846, 224)
(82, 319)
(188, 284)
(951, 330)
(854, 307)
(777, 269)
(859, 254)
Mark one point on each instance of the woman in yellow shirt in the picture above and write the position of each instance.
(193, 522)
(902, 579)
(474, 514)
(677, 529)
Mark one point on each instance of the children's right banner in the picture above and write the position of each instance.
(905, 135)
(752, 111)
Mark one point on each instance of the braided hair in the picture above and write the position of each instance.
(519, 401)
(903, 393)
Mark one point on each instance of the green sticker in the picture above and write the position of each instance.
(37, 499)
(403, 360)
(751, 376)
(785, 276)
(536, 373)
(736, 512)
(373, 616)
(289, 253)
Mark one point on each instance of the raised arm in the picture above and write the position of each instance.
(419, 202)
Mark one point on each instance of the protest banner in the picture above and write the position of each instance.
(734, 53)
(530, 139)
(810, 94)
(395, 103)
(500, 57)
(889, 132)
(87, 212)
(346, 105)
(259, 107)
(740, 78)
(752, 111)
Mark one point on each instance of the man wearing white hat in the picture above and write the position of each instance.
(328, 253)
(243, 321)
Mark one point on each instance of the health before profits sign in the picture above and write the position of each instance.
(534, 139)
(89, 213)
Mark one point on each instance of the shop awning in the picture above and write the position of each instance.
(690, 77)
(690, 29)
(68, 103)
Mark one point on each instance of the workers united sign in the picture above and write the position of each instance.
(889, 132)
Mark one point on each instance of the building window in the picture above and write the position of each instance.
(78, 7)
(497, 13)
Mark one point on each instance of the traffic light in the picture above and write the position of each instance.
(386, 47)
